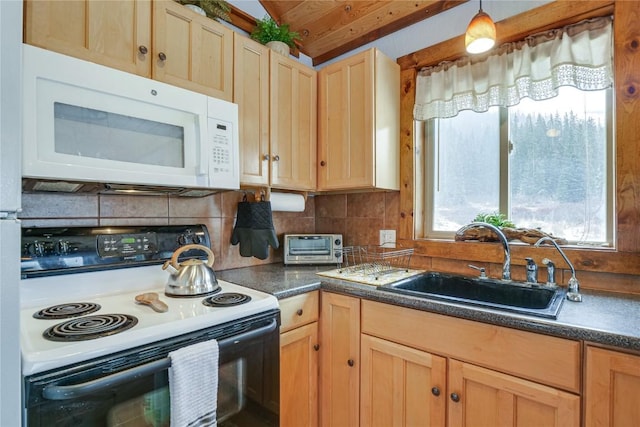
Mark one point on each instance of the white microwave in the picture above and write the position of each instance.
(90, 123)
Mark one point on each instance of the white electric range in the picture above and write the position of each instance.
(99, 329)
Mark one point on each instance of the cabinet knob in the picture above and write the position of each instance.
(299, 312)
(350, 362)
(276, 158)
(316, 347)
(323, 163)
(162, 56)
(265, 157)
(435, 391)
(455, 397)
(143, 49)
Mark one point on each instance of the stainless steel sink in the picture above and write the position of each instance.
(517, 297)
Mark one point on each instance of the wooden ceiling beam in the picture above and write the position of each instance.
(242, 20)
(385, 20)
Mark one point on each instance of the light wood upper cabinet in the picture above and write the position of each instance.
(162, 40)
(192, 51)
(401, 386)
(612, 388)
(293, 124)
(277, 99)
(339, 360)
(112, 33)
(251, 93)
(359, 123)
(479, 396)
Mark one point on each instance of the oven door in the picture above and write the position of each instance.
(131, 388)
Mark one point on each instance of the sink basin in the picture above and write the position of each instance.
(517, 297)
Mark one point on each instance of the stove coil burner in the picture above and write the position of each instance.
(90, 327)
(226, 299)
(65, 311)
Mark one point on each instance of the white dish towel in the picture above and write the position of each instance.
(193, 385)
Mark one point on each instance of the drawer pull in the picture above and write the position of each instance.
(455, 397)
(299, 312)
(142, 49)
(435, 391)
(316, 347)
(350, 362)
(162, 56)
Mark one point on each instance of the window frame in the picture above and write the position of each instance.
(426, 164)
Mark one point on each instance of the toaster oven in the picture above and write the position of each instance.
(313, 248)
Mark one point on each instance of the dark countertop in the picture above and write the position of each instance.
(603, 317)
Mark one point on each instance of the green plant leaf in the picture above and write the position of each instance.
(267, 30)
(495, 218)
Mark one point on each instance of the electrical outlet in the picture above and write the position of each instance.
(388, 238)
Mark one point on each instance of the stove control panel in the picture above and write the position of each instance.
(62, 250)
(127, 245)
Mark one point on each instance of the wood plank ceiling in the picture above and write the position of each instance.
(330, 28)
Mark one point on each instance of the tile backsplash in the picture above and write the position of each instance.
(357, 216)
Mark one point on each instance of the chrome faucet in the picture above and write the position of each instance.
(532, 271)
(506, 267)
(573, 294)
(551, 271)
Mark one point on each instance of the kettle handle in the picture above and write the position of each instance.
(176, 254)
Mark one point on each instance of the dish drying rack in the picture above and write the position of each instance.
(374, 261)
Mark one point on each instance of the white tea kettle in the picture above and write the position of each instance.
(191, 277)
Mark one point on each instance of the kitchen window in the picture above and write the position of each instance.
(525, 131)
(545, 164)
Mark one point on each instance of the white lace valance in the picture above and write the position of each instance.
(579, 55)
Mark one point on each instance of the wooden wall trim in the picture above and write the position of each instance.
(546, 17)
(625, 259)
(626, 32)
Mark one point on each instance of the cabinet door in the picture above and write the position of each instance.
(299, 376)
(346, 123)
(251, 93)
(401, 386)
(340, 360)
(115, 33)
(293, 124)
(191, 50)
(612, 388)
(479, 396)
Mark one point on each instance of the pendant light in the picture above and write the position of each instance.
(481, 33)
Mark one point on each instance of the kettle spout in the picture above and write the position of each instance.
(170, 268)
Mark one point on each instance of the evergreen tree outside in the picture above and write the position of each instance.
(557, 166)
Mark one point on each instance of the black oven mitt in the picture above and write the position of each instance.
(254, 229)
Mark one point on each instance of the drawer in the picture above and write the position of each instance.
(542, 358)
(299, 310)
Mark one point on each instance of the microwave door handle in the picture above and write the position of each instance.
(66, 392)
(204, 145)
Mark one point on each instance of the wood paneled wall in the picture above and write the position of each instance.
(615, 269)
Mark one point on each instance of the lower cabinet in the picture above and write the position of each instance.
(400, 386)
(612, 388)
(479, 396)
(340, 360)
(421, 368)
(299, 361)
(403, 386)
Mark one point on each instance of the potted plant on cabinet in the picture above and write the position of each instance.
(278, 37)
(214, 9)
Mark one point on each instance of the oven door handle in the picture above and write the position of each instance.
(65, 392)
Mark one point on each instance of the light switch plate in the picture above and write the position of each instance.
(388, 238)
